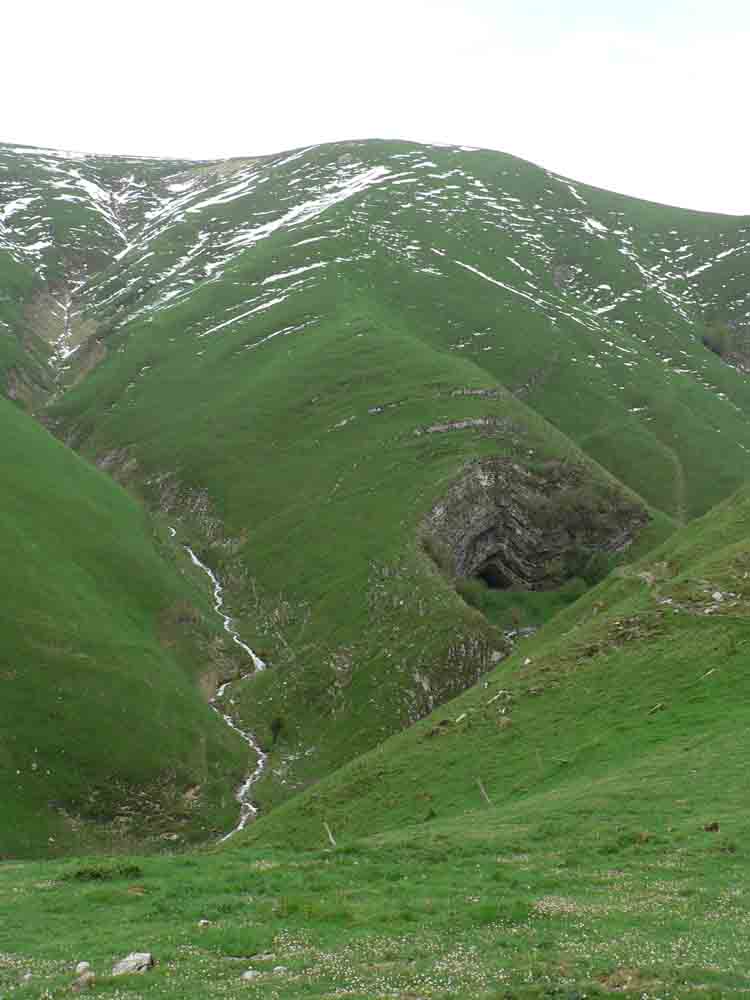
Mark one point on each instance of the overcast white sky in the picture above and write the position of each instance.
(647, 97)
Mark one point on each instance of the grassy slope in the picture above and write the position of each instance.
(628, 386)
(306, 442)
(330, 513)
(628, 705)
(101, 713)
(606, 318)
(21, 354)
(325, 497)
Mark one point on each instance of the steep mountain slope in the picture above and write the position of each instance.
(313, 354)
(555, 289)
(105, 735)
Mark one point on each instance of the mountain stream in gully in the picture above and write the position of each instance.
(248, 811)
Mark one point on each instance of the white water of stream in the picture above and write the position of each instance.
(248, 810)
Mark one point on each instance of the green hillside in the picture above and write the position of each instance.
(557, 292)
(356, 376)
(625, 709)
(105, 736)
(323, 340)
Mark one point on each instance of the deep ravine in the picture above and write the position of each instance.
(248, 810)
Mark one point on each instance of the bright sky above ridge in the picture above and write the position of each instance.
(643, 97)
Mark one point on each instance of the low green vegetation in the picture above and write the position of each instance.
(730, 340)
(519, 609)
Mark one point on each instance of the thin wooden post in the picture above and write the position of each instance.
(483, 790)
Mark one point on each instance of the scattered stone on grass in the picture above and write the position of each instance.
(136, 961)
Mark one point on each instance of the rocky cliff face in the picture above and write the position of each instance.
(515, 526)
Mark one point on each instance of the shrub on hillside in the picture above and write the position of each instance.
(718, 339)
(587, 511)
(474, 591)
(588, 565)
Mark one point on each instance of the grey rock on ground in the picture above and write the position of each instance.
(136, 961)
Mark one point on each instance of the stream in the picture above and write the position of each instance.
(248, 811)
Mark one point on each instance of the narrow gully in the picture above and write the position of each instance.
(248, 810)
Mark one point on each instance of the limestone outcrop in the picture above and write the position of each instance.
(527, 526)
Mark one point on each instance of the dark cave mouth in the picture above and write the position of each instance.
(494, 577)
(520, 544)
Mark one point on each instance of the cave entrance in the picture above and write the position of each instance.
(494, 577)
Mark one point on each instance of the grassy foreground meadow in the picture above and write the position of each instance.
(483, 907)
